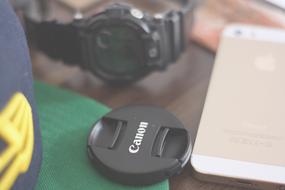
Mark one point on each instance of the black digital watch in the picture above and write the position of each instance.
(120, 43)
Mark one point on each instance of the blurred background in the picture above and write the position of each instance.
(211, 16)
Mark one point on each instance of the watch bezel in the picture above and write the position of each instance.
(119, 16)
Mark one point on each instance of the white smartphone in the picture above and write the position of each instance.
(241, 137)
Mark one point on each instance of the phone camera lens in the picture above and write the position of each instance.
(238, 33)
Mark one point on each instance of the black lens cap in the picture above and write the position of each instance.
(139, 145)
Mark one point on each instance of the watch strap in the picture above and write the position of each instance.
(56, 40)
(175, 29)
(177, 23)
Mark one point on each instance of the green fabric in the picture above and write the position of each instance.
(66, 120)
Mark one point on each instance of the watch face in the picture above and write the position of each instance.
(119, 51)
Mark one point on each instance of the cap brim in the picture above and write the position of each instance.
(65, 121)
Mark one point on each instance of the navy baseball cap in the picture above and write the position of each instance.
(20, 139)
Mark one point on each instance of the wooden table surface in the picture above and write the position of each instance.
(180, 89)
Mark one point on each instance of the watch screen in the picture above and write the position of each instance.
(119, 50)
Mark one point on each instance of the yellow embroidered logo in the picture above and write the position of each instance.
(16, 130)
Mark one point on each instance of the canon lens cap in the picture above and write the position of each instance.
(139, 145)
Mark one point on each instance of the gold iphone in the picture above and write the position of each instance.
(241, 137)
